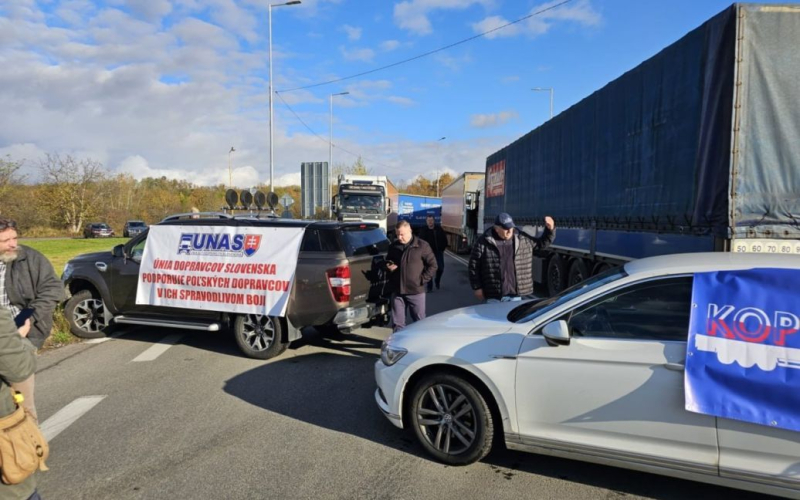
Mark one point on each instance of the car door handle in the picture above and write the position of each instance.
(676, 367)
(101, 266)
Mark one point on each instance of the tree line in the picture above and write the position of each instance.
(77, 191)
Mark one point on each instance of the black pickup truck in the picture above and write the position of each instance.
(340, 284)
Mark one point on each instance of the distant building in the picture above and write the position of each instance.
(315, 190)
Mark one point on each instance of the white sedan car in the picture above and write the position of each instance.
(567, 377)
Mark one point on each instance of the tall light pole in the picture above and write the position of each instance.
(437, 170)
(230, 177)
(271, 126)
(330, 156)
(549, 89)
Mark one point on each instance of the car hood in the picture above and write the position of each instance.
(94, 256)
(482, 320)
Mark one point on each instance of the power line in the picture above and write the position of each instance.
(426, 54)
(369, 160)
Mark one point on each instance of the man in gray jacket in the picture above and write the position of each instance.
(17, 363)
(500, 267)
(27, 280)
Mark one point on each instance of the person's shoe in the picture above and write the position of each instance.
(438, 286)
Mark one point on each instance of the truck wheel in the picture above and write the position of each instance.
(85, 314)
(258, 336)
(577, 272)
(556, 275)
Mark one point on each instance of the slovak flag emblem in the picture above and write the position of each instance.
(251, 244)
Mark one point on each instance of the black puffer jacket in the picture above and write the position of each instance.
(484, 263)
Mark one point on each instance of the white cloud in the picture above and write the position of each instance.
(353, 33)
(292, 179)
(402, 101)
(510, 79)
(492, 120)
(389, 45)
(412, 15)
(580, 12)
(364, 55)
(454, 63)
(150, 10)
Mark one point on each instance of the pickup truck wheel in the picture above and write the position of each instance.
(85, 314)
(259, 336)
(451, 419)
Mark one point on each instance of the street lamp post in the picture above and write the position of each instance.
(271, 125)
(438, 176)
(330, 156)
(549, 89)
(230, 177)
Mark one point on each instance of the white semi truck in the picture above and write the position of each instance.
(367, 198)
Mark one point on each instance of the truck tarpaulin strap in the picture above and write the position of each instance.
(248, 270)
(743, 355)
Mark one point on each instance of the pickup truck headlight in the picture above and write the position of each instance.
(68, 269)
(390, 354)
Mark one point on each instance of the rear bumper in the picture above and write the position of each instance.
(355, 316)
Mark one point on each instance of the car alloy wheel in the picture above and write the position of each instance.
(258, 331)
(446, 419)
(85, 314)
(89, 315)
(259, 336)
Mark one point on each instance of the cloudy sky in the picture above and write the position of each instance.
(158, 87)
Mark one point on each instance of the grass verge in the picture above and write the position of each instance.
(59, 252)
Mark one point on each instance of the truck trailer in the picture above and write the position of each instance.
(696, 149)
(460, 211)
(415, 209)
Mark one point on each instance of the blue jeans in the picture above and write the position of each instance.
(507, 298)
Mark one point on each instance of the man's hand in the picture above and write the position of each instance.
(24, 329)
(478, 294)
(549, 223)
(391, 267)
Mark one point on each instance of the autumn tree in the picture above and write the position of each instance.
(71, 193)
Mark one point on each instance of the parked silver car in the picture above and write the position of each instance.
(595, 373)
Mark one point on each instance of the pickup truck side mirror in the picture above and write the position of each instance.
(556, 333)
(118, 251)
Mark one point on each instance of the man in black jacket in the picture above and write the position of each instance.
(437, 240)
(501, 264)
(411, 265)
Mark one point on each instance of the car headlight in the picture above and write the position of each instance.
(68, 268)
(390, 354)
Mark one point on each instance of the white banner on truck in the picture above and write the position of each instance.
(247, 270)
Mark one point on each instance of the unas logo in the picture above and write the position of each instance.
(219, 244)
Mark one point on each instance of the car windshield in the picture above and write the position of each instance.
(361, 203)
(99, 226)
(531, 310)
(135, 224)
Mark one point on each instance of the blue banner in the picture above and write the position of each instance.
(743, 354)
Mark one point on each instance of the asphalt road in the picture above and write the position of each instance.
(159, 414)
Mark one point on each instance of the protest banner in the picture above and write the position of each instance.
(743, 354)
(248, 270)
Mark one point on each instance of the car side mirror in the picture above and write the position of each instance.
(556, 333)
(118, 251)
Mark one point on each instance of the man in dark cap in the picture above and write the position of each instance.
(501, 264)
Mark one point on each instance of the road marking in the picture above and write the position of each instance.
(67, 416)
(457, 258)
(105, 339)
(160, 348)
